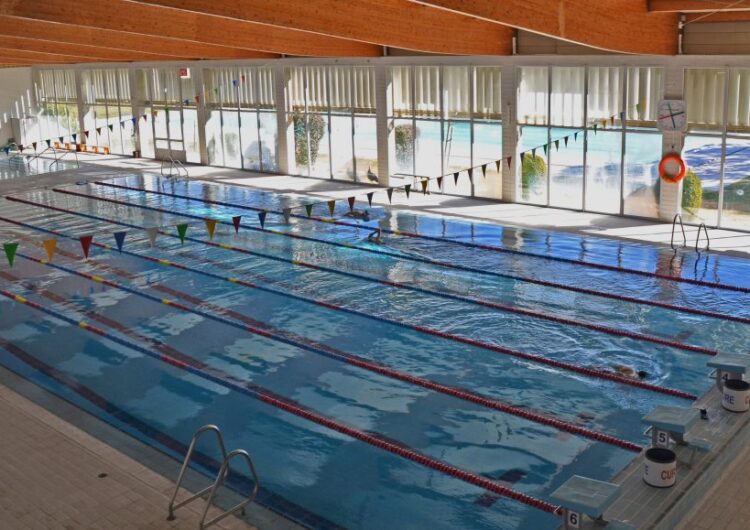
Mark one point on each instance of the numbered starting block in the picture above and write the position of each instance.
(581, 496)
(727, 366)
(669, 423)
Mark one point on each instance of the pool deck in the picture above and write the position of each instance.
(510, 214)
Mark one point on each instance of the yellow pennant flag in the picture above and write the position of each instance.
(211, 227)
(50, 245)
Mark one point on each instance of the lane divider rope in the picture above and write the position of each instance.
(363, 363)
(445, 264)
(603, 266)
(413, 288)
(257, 392)
(534, 358)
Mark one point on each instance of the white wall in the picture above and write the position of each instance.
(15, 97)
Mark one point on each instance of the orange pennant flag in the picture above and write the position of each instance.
(49, 246)
(211, 227)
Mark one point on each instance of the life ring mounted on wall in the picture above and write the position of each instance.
(672, 159)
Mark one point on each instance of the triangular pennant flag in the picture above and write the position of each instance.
(455, 178)
(236, 223)
(470, 172)
(21, 148)
(10, 252)
(181, 231)
(145, 117)
(523, 155)
(557, 145)
(98, 130)
(497, 165)
(424, 186)
(369, 198)
(86, 244)
(33, 144)
(122, 123)
(49, 143)
(74, 136)
(287, 214)
(120, 239)
(111, 127)
(407, 189)
(262, 218)
(566, 140)
(152, 233)
(575, 136)
(638, 108)
(234, 82)
(210, 227)
(612, 120)
(440, 182)
(308, 209)
(595, 128)
(134, 119)
(484, 170)
(390, 194)
(622, 116)
(49, 246)
(533, 153)
(197, 99)
(351, 200)
(331, 207)
(509, 160)
(61, 138)
(187, 102)
(545, 147)
(242, 77)
(86, 133)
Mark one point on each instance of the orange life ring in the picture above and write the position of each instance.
(672, 157)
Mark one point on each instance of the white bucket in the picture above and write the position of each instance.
(736, 395)
(660, 467)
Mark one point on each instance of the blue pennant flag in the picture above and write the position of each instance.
(120, 239)
(262, 217)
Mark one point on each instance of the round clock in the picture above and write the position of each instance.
(671, 115)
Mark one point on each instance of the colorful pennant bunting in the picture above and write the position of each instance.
(210, 228)
(390, 195)
(182, 231)
(424, 186)
(369, 198)
(331, 206)
(407, 189)
(262, 218)
(120, 239)
(308, 209)
(236, 223)
(49, 246)
(86, 245)
(10, 252)
(351, 200)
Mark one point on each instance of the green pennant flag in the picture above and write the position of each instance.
(594, 128)
(308, 209)
(181, 231)
(545, 146)
(10, 252)
(557, 145)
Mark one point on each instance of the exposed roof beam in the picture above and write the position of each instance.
(91, 52)
(696, 6)
(394, 23)
(724, 16)
(615, 25)
(135, 17)
(119, 40)
(28, 57)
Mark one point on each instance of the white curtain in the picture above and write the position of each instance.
(316, 88)
(704, 94)
(401, 91)
(738, 111)
(456, 98)
(487, 102)
(339, 88)
(645, 90)
(566, 105)
(364, 89)
(296, 88)
(427, 91)
(532, 95)
(605, 92)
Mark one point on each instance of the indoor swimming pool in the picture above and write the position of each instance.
(20, 166)
(452, 375)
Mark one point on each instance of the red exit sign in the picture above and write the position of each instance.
(185, 73)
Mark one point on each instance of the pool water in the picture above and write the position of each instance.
(323, 477)
(20, 166)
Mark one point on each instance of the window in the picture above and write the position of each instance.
(56, 97)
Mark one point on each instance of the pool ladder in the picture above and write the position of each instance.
(220, 477)
(677, 218)
(175, 170)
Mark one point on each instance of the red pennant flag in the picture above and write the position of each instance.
(424, 186)
(407, 189)
(455, 178)
(236, 222)
(86, 245)
(197, 99)
(390, 194)
(509, 160)
(369, 198)
(351, 200)
(331, 207)
(440, 182)
(262, 218)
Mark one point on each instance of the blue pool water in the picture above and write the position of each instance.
(329, 478)
(20, 166)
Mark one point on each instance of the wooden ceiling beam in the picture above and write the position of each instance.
(135, 17)
(728, 16)
(696, 6)
(118, 40)
(42, 57)
(614, 25)
(394, 23)
(91, 52)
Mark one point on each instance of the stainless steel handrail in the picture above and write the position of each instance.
(59, 159)
(32, 158)
(186, 462)
(220, 480)
(698, 237)
(180, 166)
(684, 237)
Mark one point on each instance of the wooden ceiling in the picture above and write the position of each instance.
(68, 31)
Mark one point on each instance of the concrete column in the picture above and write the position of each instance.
(285, 127)
(670, 196)
(510, 132)
(81, 138)
(382, 84)
(136, 108)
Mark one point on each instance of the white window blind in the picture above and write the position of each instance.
(566, 105)
(738, 111)
(704, 94)
(266, 91)
(296, 88)
(364, 89)
(645, 90)
(316, 89)
(487, 102)
(604, 92)
(401, 91)
(532, 95)
(456, 100)
(427, 91)
(339, 88)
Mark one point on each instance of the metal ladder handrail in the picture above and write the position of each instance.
(186, 462)
(698, 237)
(220, 480)
(684, 237)
(65, 152)
(32, 158)
(179, 165)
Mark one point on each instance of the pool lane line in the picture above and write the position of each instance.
(534, 358)
(592, 264)
(448, 265)
(235, 481)
(600, 328)
(364, 364)
(252, 390)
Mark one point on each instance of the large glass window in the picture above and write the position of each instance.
(107, 110)
(444, 120)
(56, 97)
